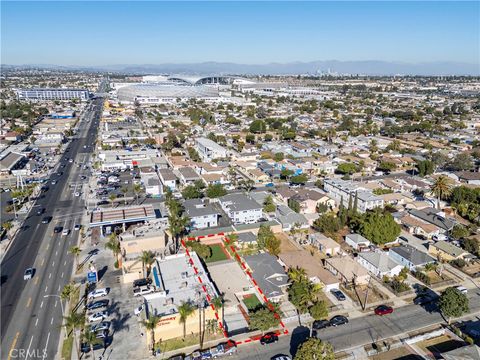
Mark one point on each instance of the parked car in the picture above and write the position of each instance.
(338, 294)
(227, 348)
(97, 304)
(28, 274)
(97, 293)
(40, 211)
(338, 320)
(269, 338)
(102, 334)
(281, 357)
(142, 282)
(98, 316)
(142, 290)
(383, 310)
(65, 232)
(138, 310)
(320, 324)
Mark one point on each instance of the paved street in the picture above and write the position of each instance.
(359, 331)
(31, 320)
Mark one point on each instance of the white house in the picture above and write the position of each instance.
(168, 178)
(325, 244)
(379, 264)
(241, 209)
(357, 241)
(209, 150)
(202, 215)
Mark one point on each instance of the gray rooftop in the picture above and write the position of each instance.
(379, 260)
(247, 237)
(413, 255)
(198, 207)
(433, 216)
(239, 202)
(268, 273)
(167, 174)
(188, 173)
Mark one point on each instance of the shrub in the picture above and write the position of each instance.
(459, 263)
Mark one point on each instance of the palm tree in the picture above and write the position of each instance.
(297, 274)
(233, 238)
(137, 188)
(178, 225)
(219, 301)
(7, 225)
(75, 251)
(441, 188)
(150, 324)
(67, 292)
(148, 258)
(111, 198)
(91, 339)
(114, 245)
(124, 192)
(73, 321)
(185, 310)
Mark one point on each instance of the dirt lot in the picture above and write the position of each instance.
(438, 345)
(374, 295)
(403, 353)
(286, 244)
(472, 269)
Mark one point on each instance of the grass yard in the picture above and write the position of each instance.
(179, 343)
(218, 253)
(251, 302)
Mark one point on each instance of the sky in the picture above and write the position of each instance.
(109, 33)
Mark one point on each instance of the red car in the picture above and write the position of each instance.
(383, 310)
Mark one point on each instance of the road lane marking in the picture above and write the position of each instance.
(48, 245)
(28, 350)
(65, 263)
(51, 322)
(41, 304)
(29, 302)
(56, 253)
(36, 322)
(46, 345)
(36, 281)
(62, 275)
(55, 303)
(46, 288)
(58, 288)
(49, 275)
(14, 342)
(43, 262)
(53, 263)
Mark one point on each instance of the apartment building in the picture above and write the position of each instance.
(241, 209)
(52, 94)
(342, 190)
(209, 150)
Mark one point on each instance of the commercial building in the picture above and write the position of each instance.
(209, 150)
(177, 283)
(53, 94)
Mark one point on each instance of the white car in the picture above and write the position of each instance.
(28, 274)
(77, 194)
(138, 310)
(98, 316)
(65, 232)
(97, 293)
(77, 227)
(70, 161)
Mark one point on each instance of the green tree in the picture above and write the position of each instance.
(67, 292)
(459, 232)
(202, 250)
(75, 251)
(453, 303)
(286, 173)
(272, 244)
(386, 166)
(258, 126)
(294, 205)
(148, 258)
(462, 162)
(150, 324)
(262, 319)
(137, 189)
(193, 154)
(113, 245)
(269, 205)
(441, 188)
(379, 227)
(90, 337)
(425, 167)
(191, 192)
(346, 168)
(264, 233)
(185, 310)
(472, 246)
(327, 223)
(278, 157)
(7, 225)
(299, 179)
(73, 321)
(319, 310)
(297, 274)
(215, 191)
(315, 349)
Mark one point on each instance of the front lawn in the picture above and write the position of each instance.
(218, 253)
(251, 302)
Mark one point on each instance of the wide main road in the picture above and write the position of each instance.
(360, 331)
(31, 318)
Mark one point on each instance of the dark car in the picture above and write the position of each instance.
(46, 219)
(423, 299)
(44, 188)
(338, 320)
(98, 304)
(269, 338)
(40, 211)
(57, 229)
(338, 294)
(142, 282)
(320, 324)
(85, 347)
(383, 310)
(103, 202)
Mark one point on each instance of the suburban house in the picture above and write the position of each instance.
(416, 226)
(467, 177)
(168, 178)
(325, 244)
(188, 176)
(269, 275)
(447, 251)
(346, 191)
(289, 218)
(241, 209)
(246, 238)
(202, 214)
(309, 199)
(210, 150)
(410, 257)
(357, 241)
(434, 217)
(379, 264)
(347, 270)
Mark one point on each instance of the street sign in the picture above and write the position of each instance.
(92, 277)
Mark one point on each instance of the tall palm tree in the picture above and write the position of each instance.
(91, 339)
(219, 301)
(297, 274)
(7, 225)
(124, 192)
(67, 292)
(148, 258)
(150, 324)
(185, 310)
(75, 251)
(114, 245)
(112, 197)
(441, 188)
(178, 226)
(72, 322)
(137, 188)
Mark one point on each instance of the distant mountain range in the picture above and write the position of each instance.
(295, 68)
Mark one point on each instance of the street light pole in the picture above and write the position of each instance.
(61, 306)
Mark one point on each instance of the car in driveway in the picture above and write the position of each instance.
(97, 293)
(98, 304)
(28, 274)
(320, 324)
(338, 320)
(98, 316)
(383, 310)
(423, 299)
(340, 296)
(142, 282)
(269, 338)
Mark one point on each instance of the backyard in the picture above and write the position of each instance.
(251, 302)
(218, 253)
